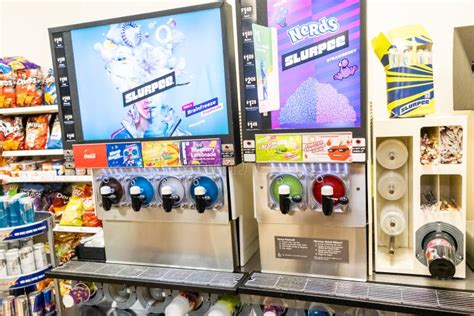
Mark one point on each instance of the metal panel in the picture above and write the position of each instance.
(355, 268)
(199, 245)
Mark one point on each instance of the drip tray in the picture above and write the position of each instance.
(408, 299)
(169, 278)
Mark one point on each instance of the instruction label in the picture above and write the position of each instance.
(310, 249)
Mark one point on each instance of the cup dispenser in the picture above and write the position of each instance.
(420, 202)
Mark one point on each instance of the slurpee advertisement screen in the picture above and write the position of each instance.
(307, 66)
(154, 78)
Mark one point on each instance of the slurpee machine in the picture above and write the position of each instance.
(146, 102)
(304, 128)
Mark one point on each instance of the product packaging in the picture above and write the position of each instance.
(37, 131)
(72, 215)
(406, 55)
(14, 133)
(54, 141)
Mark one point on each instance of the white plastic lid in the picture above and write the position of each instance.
(219, 309)
(199, 190)
(106, 190)
(269, 313)
(38, 245)
(135, 190)
(327, 190)
(68, 301)
(284, 189)
(166, 190)
(12, 254)
(179, 306)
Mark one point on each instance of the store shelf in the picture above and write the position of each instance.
(24, 280)
(77, 229)
(443, 169)
(40, 109)
(38, 227)
(48, 179)
(139, 275)
(30, 153)
(387, 297)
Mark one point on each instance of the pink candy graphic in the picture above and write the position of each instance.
(345, 71)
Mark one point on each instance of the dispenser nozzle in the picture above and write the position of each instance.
(137, 197)
(108, 197)
(169, 200)
(202, 200)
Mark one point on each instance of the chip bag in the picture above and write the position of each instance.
(37, 131)
(50, 94)
(72, 215)
(89, 218)
(7, 91)
(15, 134)
(55, 141)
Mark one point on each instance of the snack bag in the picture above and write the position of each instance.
(37, 131)
(59, 201)
(405, 53)
(72, 215)
(50, 94)
(15, 134)
(89, 218)
(55, 141)
(36, 192)
(8, 91)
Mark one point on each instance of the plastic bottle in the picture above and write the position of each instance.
(183, 303)
(225, 306)
(273, 310)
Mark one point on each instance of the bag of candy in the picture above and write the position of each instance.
(37, 131)
(15, 134)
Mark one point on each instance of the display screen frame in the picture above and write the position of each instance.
(232, 136)
(248, 134)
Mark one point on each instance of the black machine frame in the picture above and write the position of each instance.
(70, 117)
(248, 135)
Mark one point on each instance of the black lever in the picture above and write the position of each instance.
(169, 200)
(202, 200)
(108, 197)
(327, 193)
(137, 197)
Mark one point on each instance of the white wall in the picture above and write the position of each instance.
(24, 24)
(439, 17)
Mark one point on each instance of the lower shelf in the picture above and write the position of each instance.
(24, 280)
(413, 299)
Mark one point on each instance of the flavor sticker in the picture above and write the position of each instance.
(278, 148)
(124, 155)
(90, 156)
(161, 154)
(331, 147)
(201, 152)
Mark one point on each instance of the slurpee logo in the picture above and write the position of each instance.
(313, 29)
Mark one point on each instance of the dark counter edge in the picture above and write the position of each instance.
(241, 288)
(347, 301)
(146, 283)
